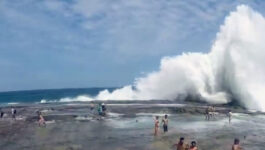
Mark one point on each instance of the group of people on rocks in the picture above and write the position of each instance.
(165, 124)
(102, 109)
(209, 112)
(181, 145)
(41, 119)
(13, 113)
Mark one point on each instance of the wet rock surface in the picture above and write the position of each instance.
(76, 126)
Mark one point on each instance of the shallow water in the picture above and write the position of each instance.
(78, 128)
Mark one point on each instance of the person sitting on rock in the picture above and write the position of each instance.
(41, 120)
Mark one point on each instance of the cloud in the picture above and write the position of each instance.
(144, 27)
(140, 28)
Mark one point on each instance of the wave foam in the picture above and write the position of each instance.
(233, 69)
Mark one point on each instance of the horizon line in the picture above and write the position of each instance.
(67, 88)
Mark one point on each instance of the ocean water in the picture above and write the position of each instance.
(33, 96)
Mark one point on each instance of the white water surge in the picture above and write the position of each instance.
(233, 69)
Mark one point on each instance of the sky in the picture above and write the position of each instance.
(101, 43)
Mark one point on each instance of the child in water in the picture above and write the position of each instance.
(156, 126)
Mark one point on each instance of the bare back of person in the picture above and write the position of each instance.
(182, 146)
(165, 121)
(193, 148)
(236, 147)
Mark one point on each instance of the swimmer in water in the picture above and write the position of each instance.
(236, 145)
(156, 126)
(193, 146)
(165, 124)
(41, 120)
(181, 145)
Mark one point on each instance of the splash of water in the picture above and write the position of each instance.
(233, 69)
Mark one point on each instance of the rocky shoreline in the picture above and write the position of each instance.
(77, 126)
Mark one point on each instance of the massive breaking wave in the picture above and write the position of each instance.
(234, 69)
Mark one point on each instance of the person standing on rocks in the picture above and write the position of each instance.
(229, 116)
(104, 109)
(156, 126)
(13, 112)
(165, 123)
(100, 109)
(207, 115)
(2, 113)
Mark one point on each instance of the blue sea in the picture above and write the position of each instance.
(33, 96)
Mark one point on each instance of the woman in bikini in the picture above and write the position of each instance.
(156, 126)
